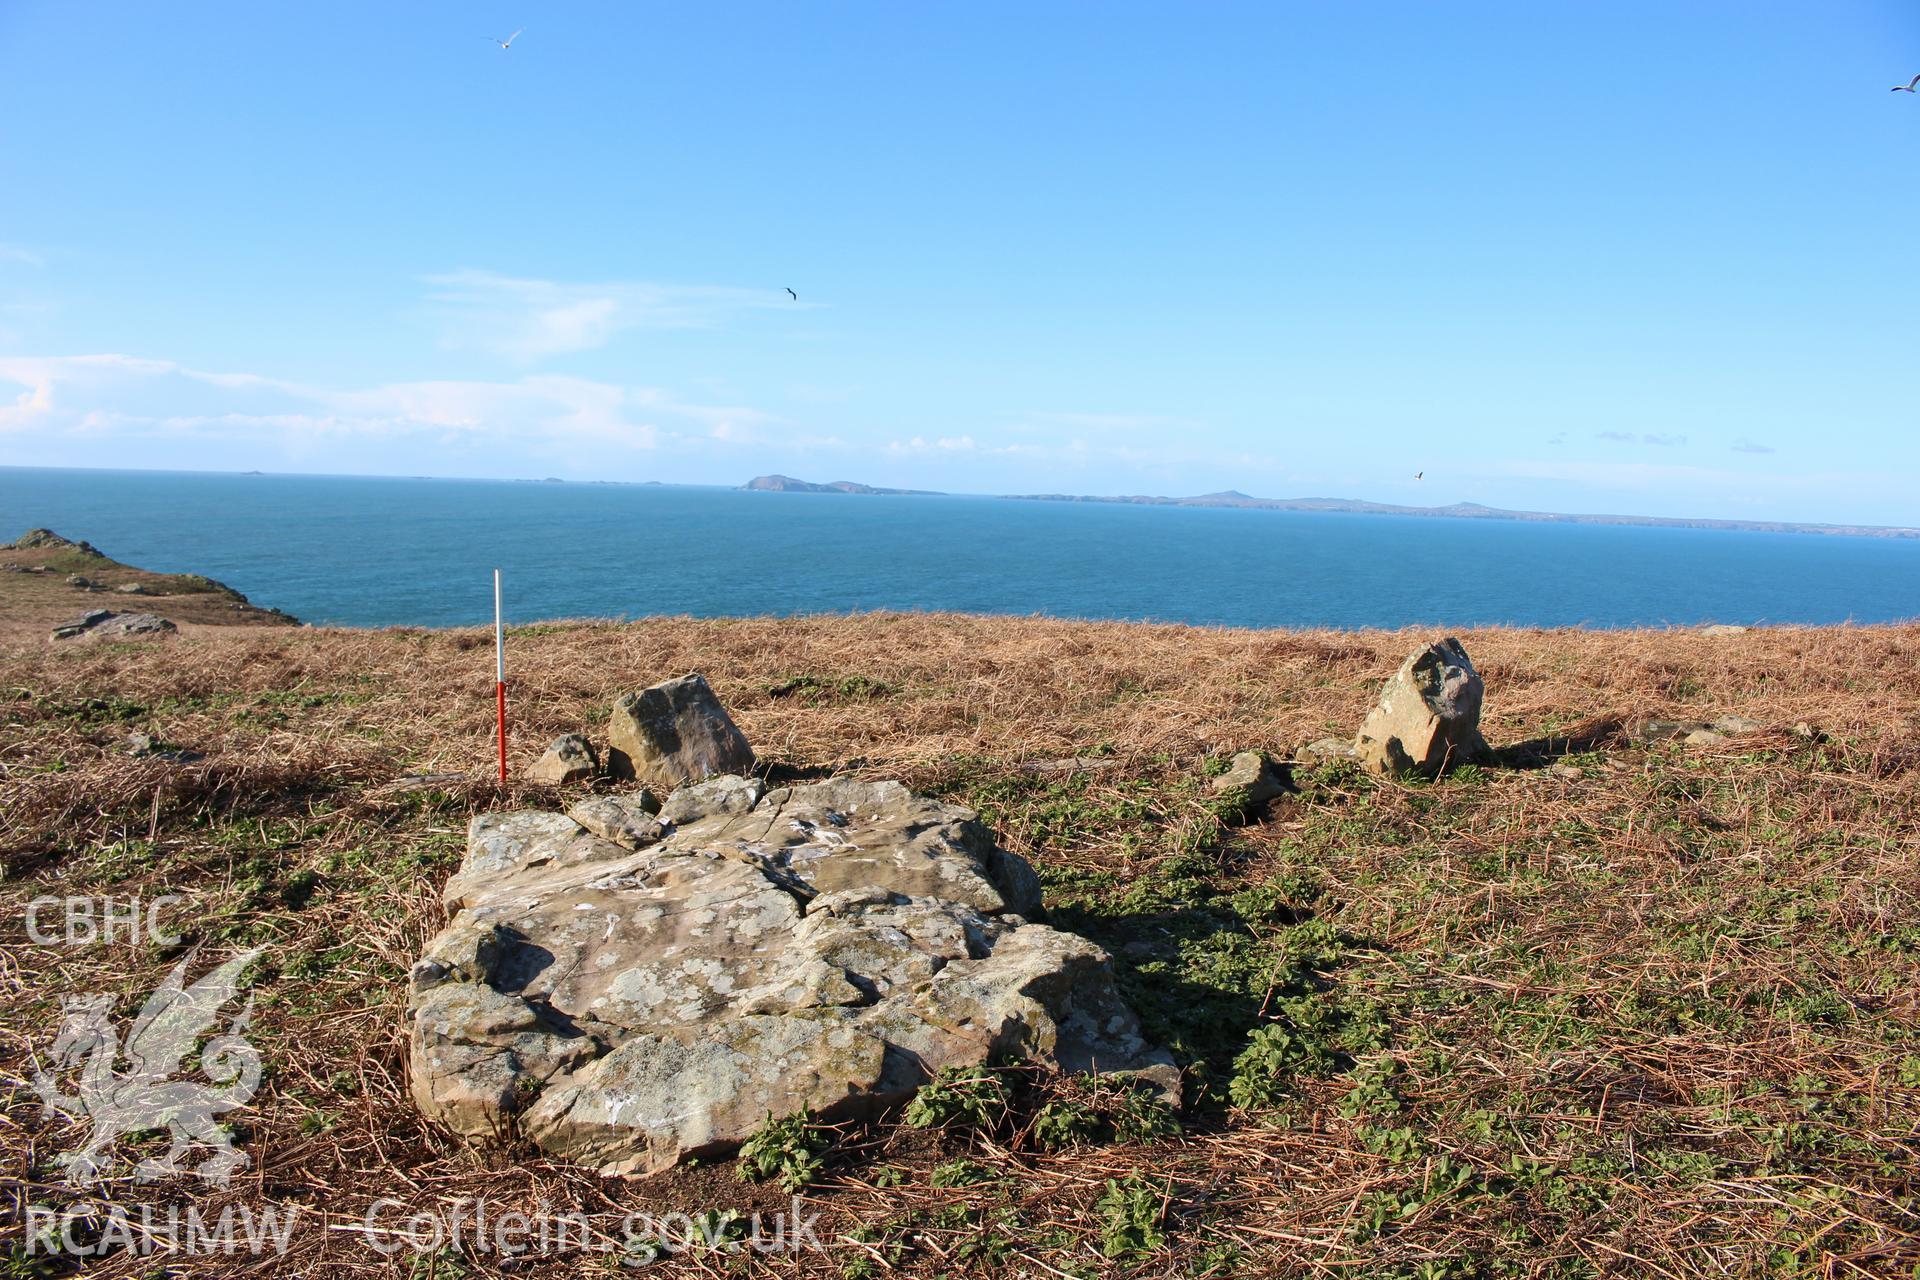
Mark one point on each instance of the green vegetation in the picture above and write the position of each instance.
(787, 1150)
(1133, 1213)
(969, 1097)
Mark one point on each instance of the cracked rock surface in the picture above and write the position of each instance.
(824, 947)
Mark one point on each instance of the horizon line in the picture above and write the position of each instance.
(1229, 499)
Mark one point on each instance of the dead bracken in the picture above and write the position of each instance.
(1604, 1002)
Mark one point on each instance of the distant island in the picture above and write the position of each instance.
(787, 484)
(1455, 511)
(1475, 511)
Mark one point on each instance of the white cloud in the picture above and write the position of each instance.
(40, 375)
(132, 397)
(1112, 422)
(14, 253)
(1645, 437)
(36, 400)
(944, 444)
(529, 319)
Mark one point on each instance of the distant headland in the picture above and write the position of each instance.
(787, 484)
(1358, 506)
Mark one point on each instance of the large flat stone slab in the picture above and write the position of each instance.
(823, 948)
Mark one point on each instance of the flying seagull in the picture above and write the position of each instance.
(1418, 474)
(508, 42)
(1911, 86)
(793, 295)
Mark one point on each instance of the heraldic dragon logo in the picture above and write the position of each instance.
(144, 1096)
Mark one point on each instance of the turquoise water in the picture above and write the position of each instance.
(377, 552)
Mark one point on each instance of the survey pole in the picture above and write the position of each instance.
(500, 675)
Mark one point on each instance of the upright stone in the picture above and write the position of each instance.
(674, 733)
(1428, 716)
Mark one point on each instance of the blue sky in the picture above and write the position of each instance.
(1645, 257)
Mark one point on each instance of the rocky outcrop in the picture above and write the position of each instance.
(106, 623)
(823, 948)
(569, 758)
(48, 540)
(1428, 716)
(674, 733)
(132, 624)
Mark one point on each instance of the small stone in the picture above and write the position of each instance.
(569, 758)
(1252, 780)
(1736, 724)
(427, 781)
(726, 794)
(1572, 773)
(1724, 629)
(1644, 731)
(627, 820)
(131, 589)
(143, 745)
(1704, 738)
(1329, 749)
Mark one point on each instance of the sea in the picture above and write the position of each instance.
(377, 552)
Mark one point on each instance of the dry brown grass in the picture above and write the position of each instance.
(1656, 1019)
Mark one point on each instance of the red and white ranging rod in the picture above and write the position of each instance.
(500, 675)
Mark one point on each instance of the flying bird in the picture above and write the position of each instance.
(1911, 86)
(1418, 474)
(793, 295)
(508, 42)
